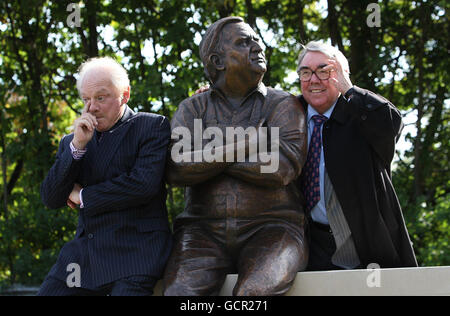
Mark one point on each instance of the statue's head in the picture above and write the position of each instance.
(230, 47)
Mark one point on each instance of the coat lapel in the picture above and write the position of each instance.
(340, 114)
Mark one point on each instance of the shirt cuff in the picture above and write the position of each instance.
(81, 199)
(77, 154)
(348, 94)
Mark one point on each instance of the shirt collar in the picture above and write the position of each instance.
(127, 113)
(261, 89)
(311, 111)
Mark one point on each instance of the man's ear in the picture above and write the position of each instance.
(217, 62)
(125, 96)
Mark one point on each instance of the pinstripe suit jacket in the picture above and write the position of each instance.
(123, 228)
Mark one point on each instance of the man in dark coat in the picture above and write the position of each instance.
(112, 167)
(354, 215)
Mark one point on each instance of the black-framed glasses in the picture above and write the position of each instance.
(305, 74)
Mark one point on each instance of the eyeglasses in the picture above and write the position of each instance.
(305, 74)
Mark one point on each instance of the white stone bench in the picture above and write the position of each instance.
(402, 281)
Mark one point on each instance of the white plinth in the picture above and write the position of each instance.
(402, 281)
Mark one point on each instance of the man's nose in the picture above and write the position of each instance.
(314, 78)
(93, 106)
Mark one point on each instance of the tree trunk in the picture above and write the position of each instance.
(360, 37)
(423, 16)
(91, 9)
(333, 26)
(302, 38)
(4, 167)
(251, 18)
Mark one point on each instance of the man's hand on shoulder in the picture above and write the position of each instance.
(201, 89)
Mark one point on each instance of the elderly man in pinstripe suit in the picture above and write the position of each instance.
(111, 169)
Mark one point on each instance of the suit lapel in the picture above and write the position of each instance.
(110, 141)
(90, 174)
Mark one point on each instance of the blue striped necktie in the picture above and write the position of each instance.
(310, 174)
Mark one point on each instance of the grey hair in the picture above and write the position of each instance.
(212, 44)
(326, 49)
(119, 76)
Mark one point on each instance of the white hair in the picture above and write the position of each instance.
(326, 49)
(119, 76)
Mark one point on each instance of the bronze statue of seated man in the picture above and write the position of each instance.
(237, 149)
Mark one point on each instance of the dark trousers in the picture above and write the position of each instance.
(131, 286)
(321, 247)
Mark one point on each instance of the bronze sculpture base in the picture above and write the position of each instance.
(267, 253)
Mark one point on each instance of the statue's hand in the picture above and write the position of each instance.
(202, 89)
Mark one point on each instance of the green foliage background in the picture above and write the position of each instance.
(406, 60)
